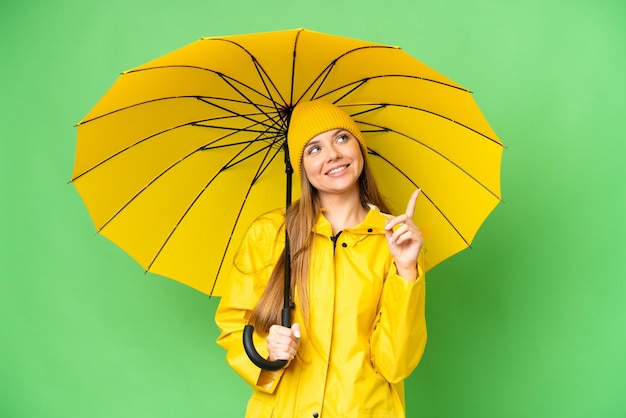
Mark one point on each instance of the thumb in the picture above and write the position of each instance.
(296, 330)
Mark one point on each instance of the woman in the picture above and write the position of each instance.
(359, 327)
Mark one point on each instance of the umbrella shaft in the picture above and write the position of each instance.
(287, 305)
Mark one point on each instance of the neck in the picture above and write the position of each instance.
(343, 211)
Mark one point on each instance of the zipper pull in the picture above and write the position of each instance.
(334, 239)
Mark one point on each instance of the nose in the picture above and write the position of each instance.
(333, 152)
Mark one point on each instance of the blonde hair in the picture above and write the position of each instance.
(300, 219)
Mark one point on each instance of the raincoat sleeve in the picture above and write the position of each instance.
(399, 336)
(252, 268)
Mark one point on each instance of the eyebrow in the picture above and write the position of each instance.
(335, 132)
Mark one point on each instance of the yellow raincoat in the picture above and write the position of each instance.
(366, 332)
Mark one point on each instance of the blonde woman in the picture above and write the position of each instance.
(359, 327)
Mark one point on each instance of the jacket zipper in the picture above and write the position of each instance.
(334, 239)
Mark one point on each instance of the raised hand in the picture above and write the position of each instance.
(405, 240)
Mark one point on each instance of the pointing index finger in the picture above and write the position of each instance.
(410, 207)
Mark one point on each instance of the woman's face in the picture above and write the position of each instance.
(333, 162)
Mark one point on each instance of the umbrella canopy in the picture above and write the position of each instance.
(183, 152)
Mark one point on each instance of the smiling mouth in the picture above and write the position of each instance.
(337, 170)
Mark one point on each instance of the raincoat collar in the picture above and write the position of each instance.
(373, 223)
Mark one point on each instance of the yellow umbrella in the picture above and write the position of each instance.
(182, 153)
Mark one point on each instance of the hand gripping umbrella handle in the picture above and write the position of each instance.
(254, 355)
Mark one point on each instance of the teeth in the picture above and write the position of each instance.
(337, 170)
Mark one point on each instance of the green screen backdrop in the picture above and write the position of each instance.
(531, 322)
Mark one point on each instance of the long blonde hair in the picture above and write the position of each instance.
(300, 219)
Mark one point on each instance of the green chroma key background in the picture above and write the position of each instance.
(531, 322)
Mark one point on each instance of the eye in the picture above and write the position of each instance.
(343, 137)
(313, 149)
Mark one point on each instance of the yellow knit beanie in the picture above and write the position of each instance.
(310, 119)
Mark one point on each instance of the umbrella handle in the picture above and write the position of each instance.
(254, 355)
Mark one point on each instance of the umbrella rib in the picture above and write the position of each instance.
(195, 67)
(323, 75)
(251, 102)
(193, 123)
(233, 163)
(180, 220)
(120, 152)
(202, 148)
(357, 84)
(328, 69)
(162, 173)
(257, 65)
(226, 77)
(443, 215)
(385, 129)
(202, 98)
(277, 140)
(242, 115)
(260, 170)
(263, 75)
(383, 105)
(293, 67)
(278, 121)
(366, 79)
